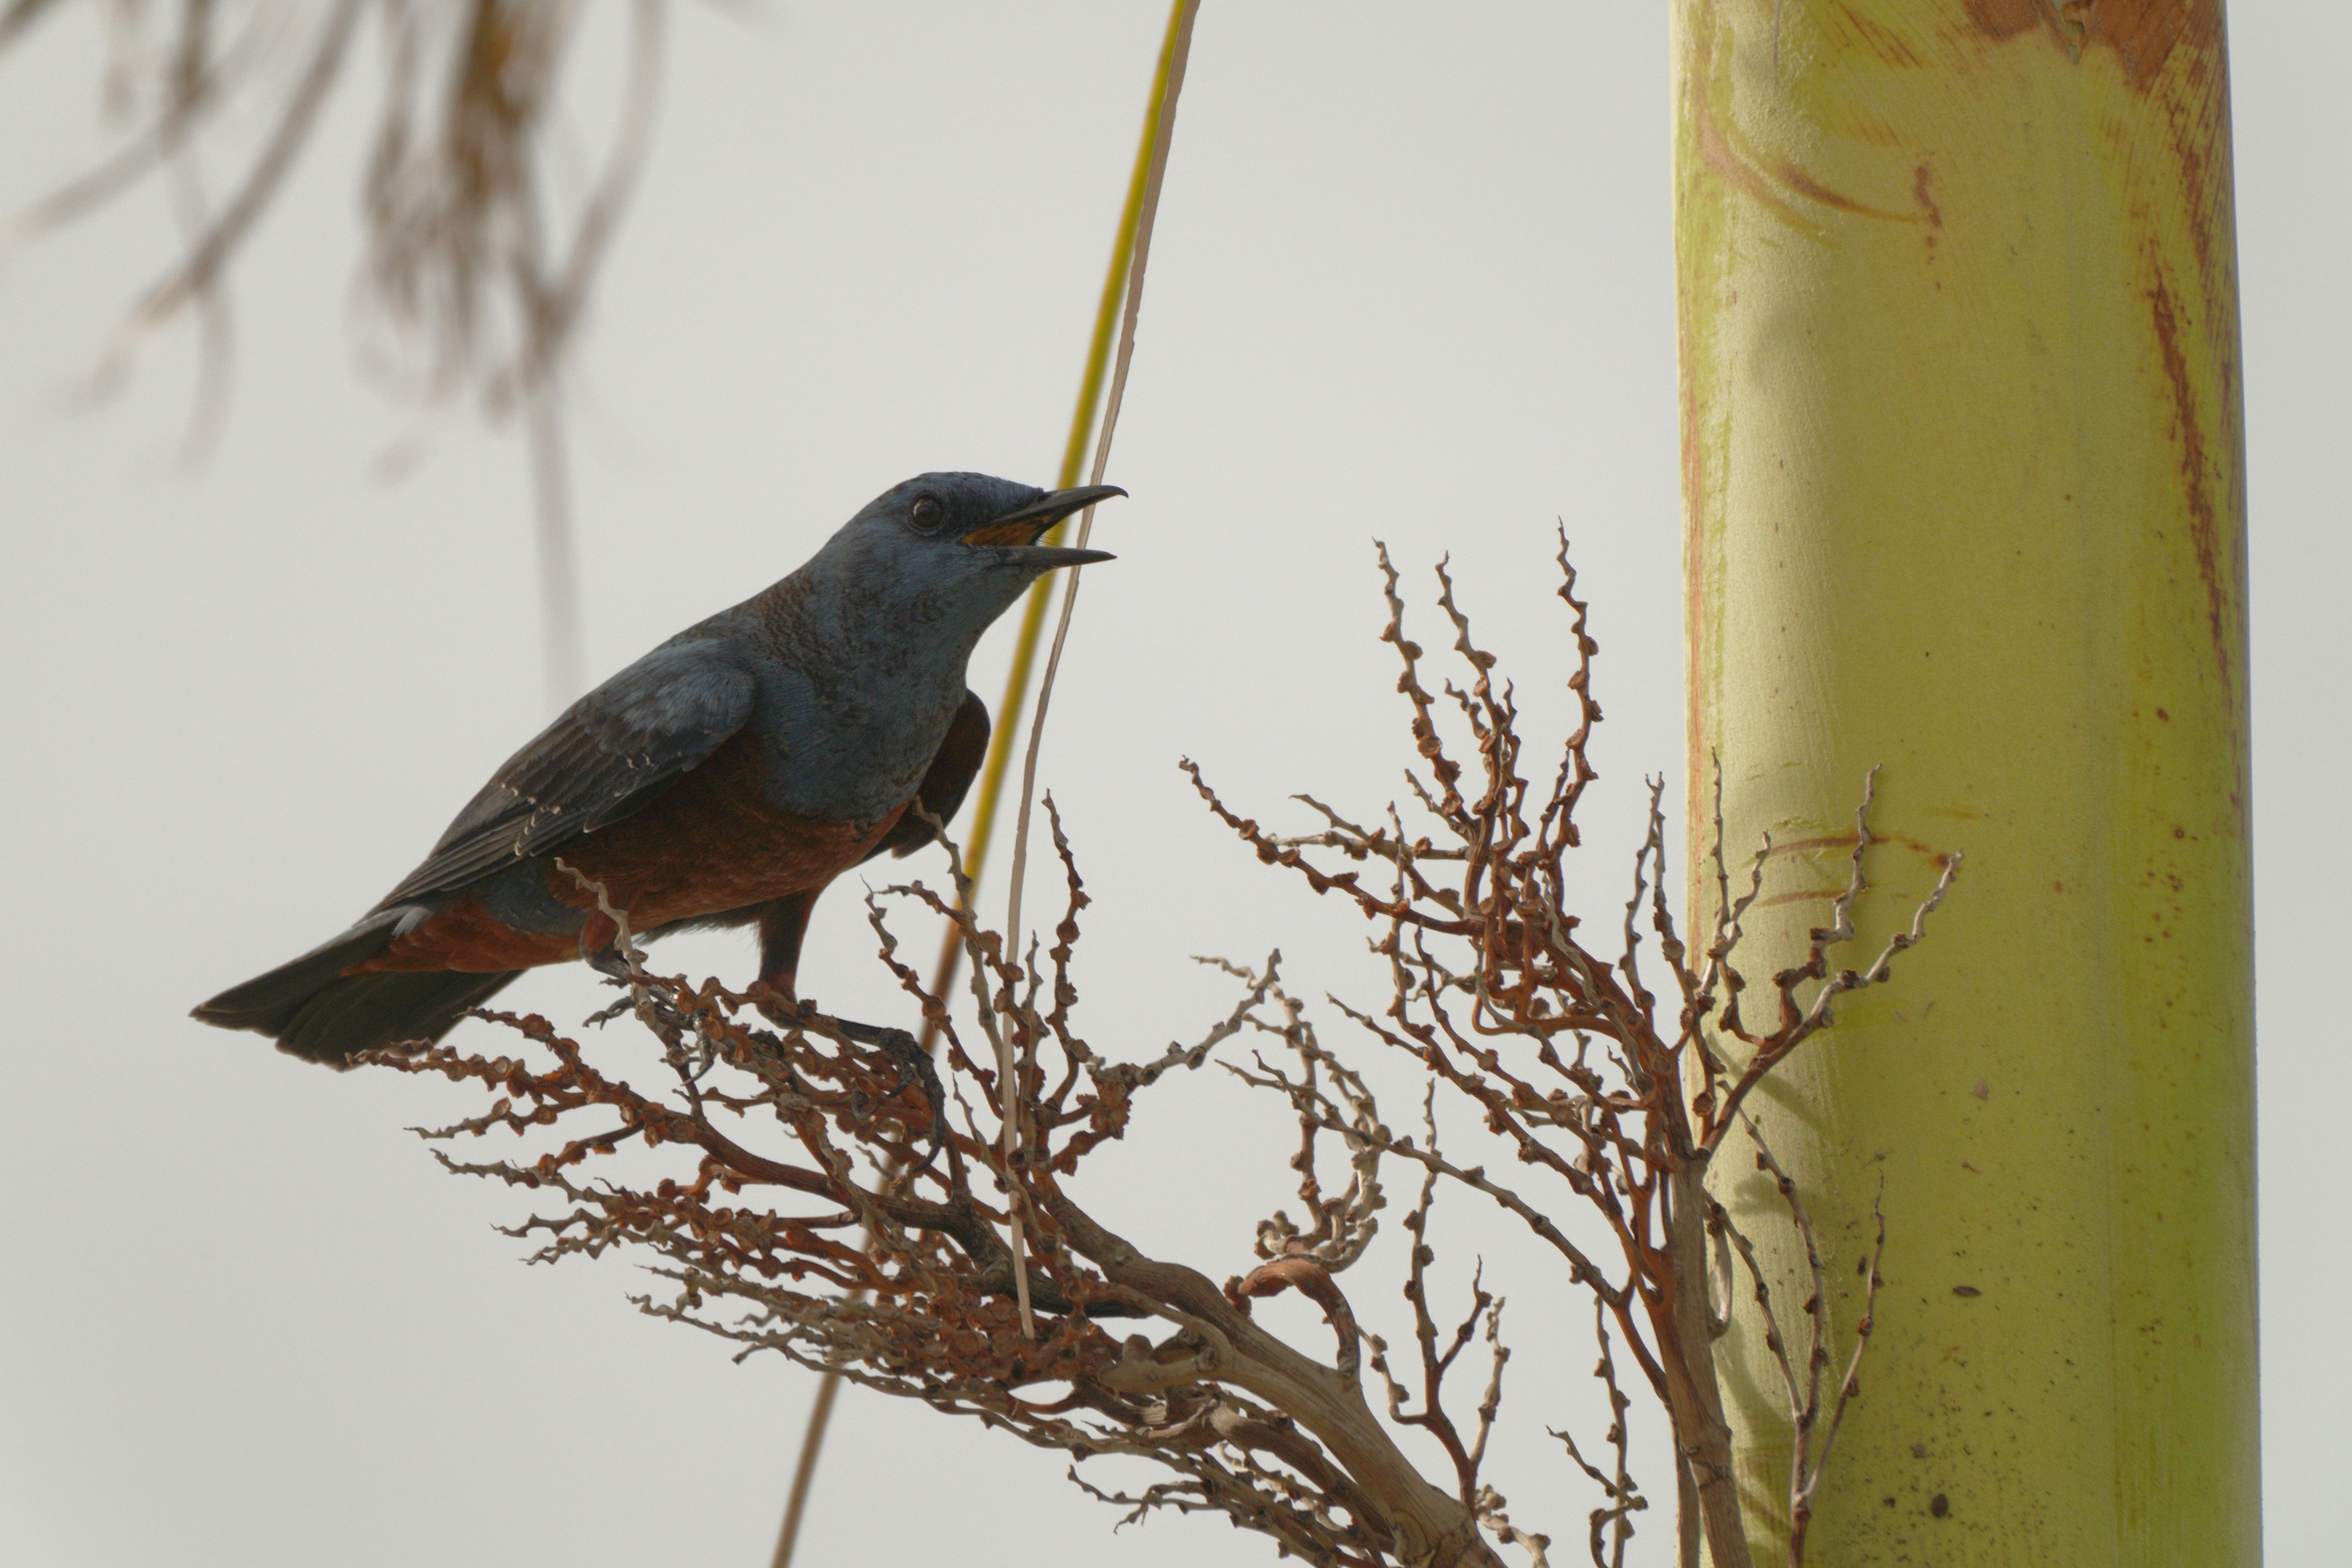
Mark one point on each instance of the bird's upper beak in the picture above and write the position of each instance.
(1015, 535)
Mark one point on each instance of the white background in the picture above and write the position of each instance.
(1413, 282)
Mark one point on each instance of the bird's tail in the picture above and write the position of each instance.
(313, 1010)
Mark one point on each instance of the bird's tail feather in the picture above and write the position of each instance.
(267, 1003)
(317, 1012)
(360, 1012)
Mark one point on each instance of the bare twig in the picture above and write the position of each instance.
(1568, 1058)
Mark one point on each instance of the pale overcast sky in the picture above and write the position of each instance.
(1413, 280)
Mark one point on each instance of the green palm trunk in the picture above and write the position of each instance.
(1964, 497)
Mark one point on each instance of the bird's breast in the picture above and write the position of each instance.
(717, 840)
(852, 746)
(711, 844)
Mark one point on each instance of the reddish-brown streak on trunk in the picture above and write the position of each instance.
(1843, 842)
(2196, 120)
(2185, 38)
(2201, 519)
(1881, 41)
(2144, 38)
(1923, 187)
(2144, 34)
(1819, 896)
(1720, 156)
(1715, 148)
(1804, 185)
(2006, 18)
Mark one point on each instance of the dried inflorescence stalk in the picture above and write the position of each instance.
(837, 1196)
(839, 1199)
(1578, 1066)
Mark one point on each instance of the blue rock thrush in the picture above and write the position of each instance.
(722, 779)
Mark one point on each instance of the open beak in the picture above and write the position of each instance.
(1015, 535)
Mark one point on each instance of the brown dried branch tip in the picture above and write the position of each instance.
(1585, 1075)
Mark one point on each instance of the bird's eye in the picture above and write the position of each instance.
(926, 512)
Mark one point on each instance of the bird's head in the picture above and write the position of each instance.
(956, 550)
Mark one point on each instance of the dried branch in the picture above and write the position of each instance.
(1568, 1056)
(1338, 1229)
(1810, 1453)
(1490, 1505)
(771, 1235)
(1611, 1526)
(1432, 1416)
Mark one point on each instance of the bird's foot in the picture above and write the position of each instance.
(779, 1002)
(615, 967)
(608, 961)
(914, 1064)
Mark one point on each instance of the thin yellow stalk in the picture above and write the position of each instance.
(1133, 220)
(1010, 1084)
(1082, 428)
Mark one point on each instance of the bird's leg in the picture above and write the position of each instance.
(782, 924)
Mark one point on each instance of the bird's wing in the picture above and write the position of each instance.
(945, 782)
(610, 753)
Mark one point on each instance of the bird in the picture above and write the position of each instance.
(722, 779)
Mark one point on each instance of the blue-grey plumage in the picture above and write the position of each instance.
(725, 777)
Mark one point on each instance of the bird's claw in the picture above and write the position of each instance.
(913, 1062)
(609, 962)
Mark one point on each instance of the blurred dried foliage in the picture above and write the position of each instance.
(826, 1193)
(470, 280)
(465, 270)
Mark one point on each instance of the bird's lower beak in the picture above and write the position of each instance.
(1045, 557)
(1016, 532)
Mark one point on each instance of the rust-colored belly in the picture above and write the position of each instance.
(710, 844)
